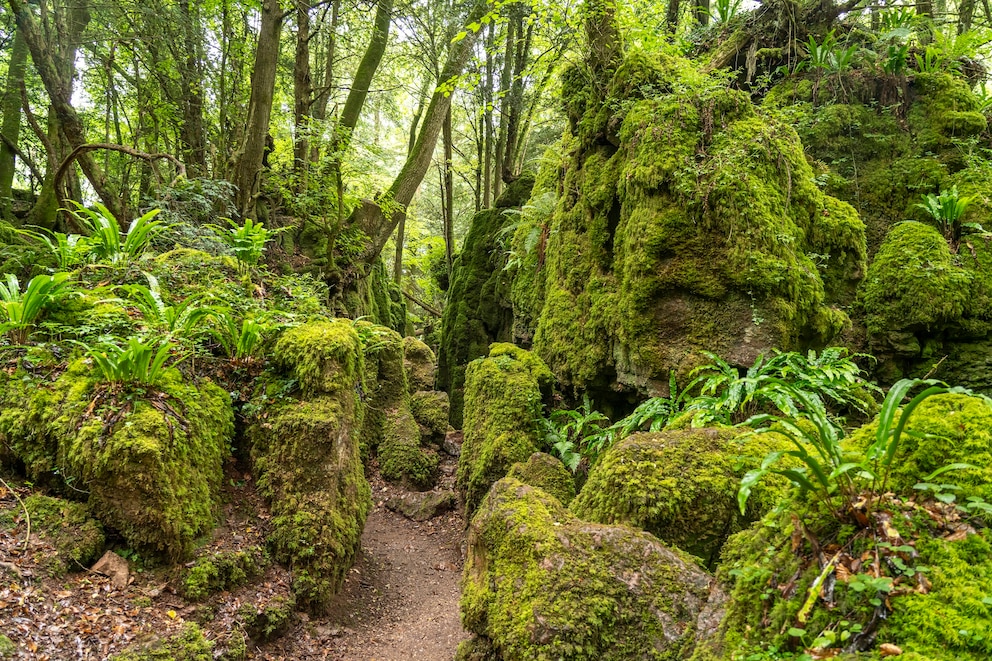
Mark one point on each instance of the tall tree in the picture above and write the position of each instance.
(11, 128)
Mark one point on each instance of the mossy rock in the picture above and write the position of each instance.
(430, 410)
(188, 645)
(540, 584)
(945, 109)
(223, 571)
(420, 364)
(268, 621)
(401, 458)
(547, 473)
(502, 401)
(306, 456)
(152, 462)
(681, 486)
(78, 538)
(479, 311)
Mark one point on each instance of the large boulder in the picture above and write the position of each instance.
(152, 462)
(547, 473)
(306, 456)
(419, 362)
(502, 401)
(540, 584)
(681, 486)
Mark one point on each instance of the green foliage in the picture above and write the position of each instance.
(20, 310)
(247, 241)
(241, 340)
(139, 361)
(69, 250)
(179, 321)
(725, 10)
(948, 208)
(108, 243)
(573, 434)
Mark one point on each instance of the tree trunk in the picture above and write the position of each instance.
(515, 105)
(966, 13)
(401, 228)
(672, 15)
(366, 71)
(59, 88)
(318, 109)
(703, 12)
(247, 170)
(192, 133)
(378, 225)
(11, 129)
(302, 91)
(487, 122)
(504, 102)
(603, 36)
(449, 193)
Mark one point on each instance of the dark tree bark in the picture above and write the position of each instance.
(449, 192)
(302, 92)
(192, 132)
(247, 169)
(11, 128)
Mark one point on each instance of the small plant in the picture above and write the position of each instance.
(20, 310)
(574, 434)
(948, 208)
(819, 54)
(896, 59)
(180, 320)
(69, 250)
(107, 243)
(241, 340)
(246, 241)
(724, 10)
(137, 362)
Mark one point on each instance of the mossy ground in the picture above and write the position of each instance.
(78, 538)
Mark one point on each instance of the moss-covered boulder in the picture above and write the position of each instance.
(306, 456)
(502, 401)
(479, 311)
(674, 233)
(540, 584)
(223, 570)
(391, 430)
(188, 645)
(681, 486)
(547, 473)
(150, 461)
(420, 364)
(915, 575)
(77, 537)
(430, 410)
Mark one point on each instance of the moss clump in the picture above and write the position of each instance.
(430, 410)
(681, 486)
(306, 456)
(419, 362)
(502, 401)
(945, 110)
(479, 311)
(546, 473)
(222, 571)
(539, 585)
(269, 621)
(7, 646)
(188, 645)
(68, 526)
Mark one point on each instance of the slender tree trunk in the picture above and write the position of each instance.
(449, 192)
(247, 171)
(366, 71)
(703, 11)
(603, 36)
(302, 91)
(504, 102)
(966, 14)
(515, 105)
(319, 107)
(401, 228)
(192, 135)
(487, 121)
(480, 149)
(672, 14)
(379, 226)
(11, 129)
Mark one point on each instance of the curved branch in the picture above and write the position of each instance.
(94, 146)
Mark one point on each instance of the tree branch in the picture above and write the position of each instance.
(94, 146)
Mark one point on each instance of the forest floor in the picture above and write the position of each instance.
(399, 602)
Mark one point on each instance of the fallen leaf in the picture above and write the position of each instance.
(888, 649)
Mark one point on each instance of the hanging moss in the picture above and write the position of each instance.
(478, 311)
(502, 401)
(547, 473)
(681, 486)
(540, 585)
(306, 455)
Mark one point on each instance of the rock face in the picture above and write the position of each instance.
(540, 584)
(681, 486)
(152, 465)
(423, 506)
(502, 399)
(674, 233)
(307, 461)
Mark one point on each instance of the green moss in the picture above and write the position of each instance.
(502, 400)
(401, 459)
(419, 362)
(68, 526)
(479, 311)
(913, 286)
(541, 585)
(7, 646)
(681, 486)
(945, 110)
(269, 621)
(188, 645)
(430, 410)
(222, 571)
(324, 357)
(546, 473)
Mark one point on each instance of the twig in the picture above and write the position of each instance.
(27, 516)
(414, 299)
(934, 368)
